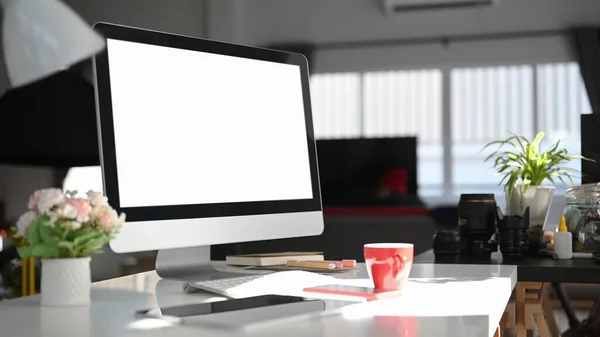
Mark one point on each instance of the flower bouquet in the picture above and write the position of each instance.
(63, 230)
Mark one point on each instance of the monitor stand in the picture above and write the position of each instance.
(194, 264)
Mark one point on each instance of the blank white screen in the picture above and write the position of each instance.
(200, 128)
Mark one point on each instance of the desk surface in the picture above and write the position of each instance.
(439, 300)
(536, 269)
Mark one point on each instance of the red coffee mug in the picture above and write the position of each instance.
(388, 264)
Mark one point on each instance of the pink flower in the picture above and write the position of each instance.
(106, 217)
(108, 220)
(24, 221)
(96, 198)
(34, 199)
(49, 198)
(67, 211)
(82, 209)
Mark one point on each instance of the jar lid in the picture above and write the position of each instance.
(586, 193)
(593, 187)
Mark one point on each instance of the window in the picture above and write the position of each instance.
(492, 102)
(485, 104)
(562, 98)
(336, 101)
(385, 104)
(408, 103)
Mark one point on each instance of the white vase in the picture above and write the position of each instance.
(537, 198)
(66, 282)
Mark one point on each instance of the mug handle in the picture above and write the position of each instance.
(398, 265)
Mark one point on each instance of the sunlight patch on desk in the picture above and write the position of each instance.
(150, 324)
(463, 297)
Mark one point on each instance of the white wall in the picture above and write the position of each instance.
(357, 34)
(225, 20)
(175, 16)
(17, 183)
(334, 21)
(538, 49)
(179, 16)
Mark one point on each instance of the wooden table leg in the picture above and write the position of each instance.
(503, 322)
(548, 312)
(542, 325)
(520, 310)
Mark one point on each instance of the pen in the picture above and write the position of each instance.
(338, 264)
(311, 264)
(342, 263)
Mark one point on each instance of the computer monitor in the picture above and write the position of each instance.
(204, 142)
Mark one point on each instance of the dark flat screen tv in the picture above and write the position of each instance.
(352, 171)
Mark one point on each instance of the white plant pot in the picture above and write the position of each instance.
(66, 282)
(537, 198)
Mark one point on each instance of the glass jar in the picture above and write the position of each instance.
(582, 215)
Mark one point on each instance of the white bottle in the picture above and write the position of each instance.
(563, 241)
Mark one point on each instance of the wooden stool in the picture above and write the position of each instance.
(538, 311)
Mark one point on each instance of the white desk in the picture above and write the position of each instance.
(440, 300)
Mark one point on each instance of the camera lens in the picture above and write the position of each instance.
(508, 243)
(446, 243)
(477, 224)
(514, 239)
(514, 251)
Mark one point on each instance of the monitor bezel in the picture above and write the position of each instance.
(107, 138)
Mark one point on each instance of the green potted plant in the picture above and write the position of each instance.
(524, 167)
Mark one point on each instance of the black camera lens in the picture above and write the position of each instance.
(514, 239)
(481, 250)
(478, 224)
(508, 243)
(477, 213)
(514, 251)
(514, 235)
(446, 243)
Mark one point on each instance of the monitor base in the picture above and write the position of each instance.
(193, 264)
